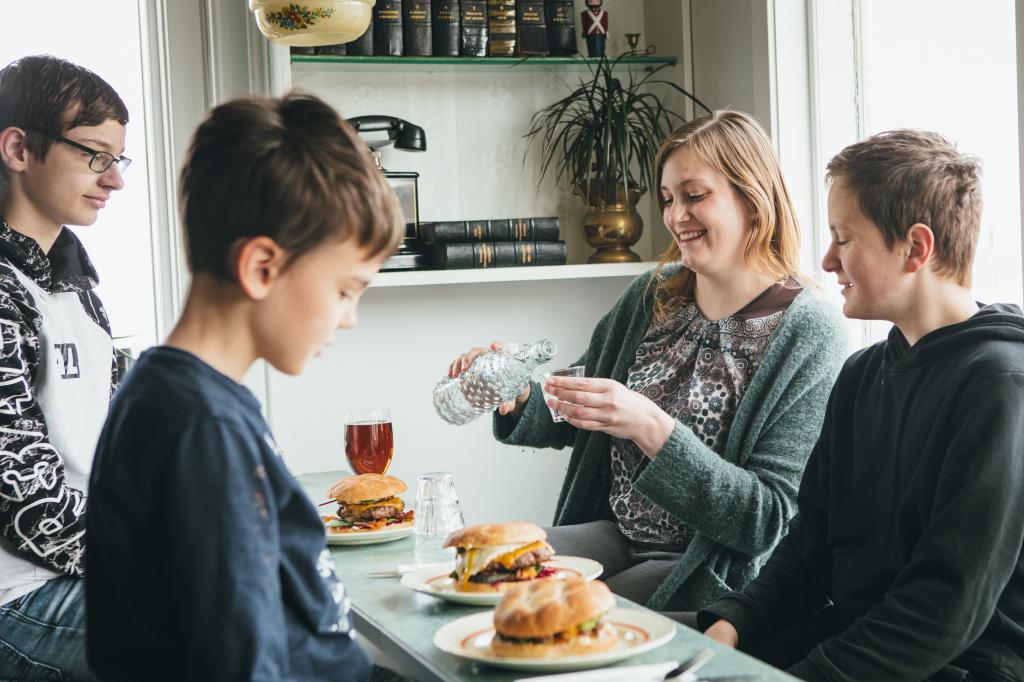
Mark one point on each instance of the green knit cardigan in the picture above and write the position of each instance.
(738, 503)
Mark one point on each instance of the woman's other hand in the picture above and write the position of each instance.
(461, 364)
(606, 405)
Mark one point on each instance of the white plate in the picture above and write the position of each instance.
(433, 579)
(369, 537)
(639, 631)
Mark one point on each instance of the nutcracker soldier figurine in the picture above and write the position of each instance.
(595, 27)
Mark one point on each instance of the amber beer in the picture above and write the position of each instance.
(369, 446)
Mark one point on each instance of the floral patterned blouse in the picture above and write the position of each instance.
(696, 371)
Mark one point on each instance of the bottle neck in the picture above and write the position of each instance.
(532, 354)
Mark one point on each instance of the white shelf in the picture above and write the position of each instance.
(513, 274)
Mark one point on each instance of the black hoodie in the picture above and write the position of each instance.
(911, 514)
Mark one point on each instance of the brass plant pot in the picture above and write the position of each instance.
(613, 227)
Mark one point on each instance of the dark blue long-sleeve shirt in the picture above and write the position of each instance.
(206, 560)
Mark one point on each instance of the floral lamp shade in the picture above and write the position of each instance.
(327, 22)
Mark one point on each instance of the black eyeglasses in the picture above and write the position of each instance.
(100, 161)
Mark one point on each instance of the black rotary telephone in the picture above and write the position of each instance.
(407, 137)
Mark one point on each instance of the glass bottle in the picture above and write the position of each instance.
(492, 378)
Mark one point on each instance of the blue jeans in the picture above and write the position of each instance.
(42, 634)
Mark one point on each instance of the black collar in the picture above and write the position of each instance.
(67, 267)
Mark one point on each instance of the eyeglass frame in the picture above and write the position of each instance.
(122, 161)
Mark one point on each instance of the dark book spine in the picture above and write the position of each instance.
(535, 229)
(446, 28)
(531, 28)
(387, 28)
(498, 254)
(416, 27)
(501, 23)
(473, 35)
(514, 230)
(363, 45)
(339, 50)
(561, 19)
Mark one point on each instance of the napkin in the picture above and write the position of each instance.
(654, 672)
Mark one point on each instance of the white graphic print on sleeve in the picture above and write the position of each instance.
(40, 515)
(14, 389)
(324, 566)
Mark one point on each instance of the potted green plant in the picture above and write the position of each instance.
(600, 140)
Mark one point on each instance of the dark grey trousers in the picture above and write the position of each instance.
(629, 571)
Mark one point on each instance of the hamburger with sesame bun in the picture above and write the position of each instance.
(368, 502)
(553, 619)
(494, 556)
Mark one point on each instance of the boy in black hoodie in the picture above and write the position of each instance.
(904, 561)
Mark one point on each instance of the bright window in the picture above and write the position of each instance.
(932, 65)
(119, 243)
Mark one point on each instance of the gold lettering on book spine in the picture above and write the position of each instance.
(478, 231)
(485, 255)
(519, 230)
(527, 253)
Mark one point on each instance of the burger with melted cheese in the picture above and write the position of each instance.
(553, 618)
(494, 556)
(368, 502)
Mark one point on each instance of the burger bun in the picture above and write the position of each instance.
(366, 487)
(491, 534)
(545, 608)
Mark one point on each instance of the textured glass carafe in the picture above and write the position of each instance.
(493, 378)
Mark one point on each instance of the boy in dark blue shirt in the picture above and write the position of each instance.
(206, 560)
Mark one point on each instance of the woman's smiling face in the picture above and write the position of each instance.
(708, 218)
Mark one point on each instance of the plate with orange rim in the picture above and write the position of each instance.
(639, 631)
(435, 580)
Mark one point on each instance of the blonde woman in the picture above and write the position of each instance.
(706, 384)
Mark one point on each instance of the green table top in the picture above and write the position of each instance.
(402, 623)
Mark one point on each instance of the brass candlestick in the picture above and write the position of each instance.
(633, 39)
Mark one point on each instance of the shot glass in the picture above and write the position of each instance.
(576, 371)
(438, 515)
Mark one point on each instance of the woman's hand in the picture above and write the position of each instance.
(606, 405)
(722, 631)
(460, 364)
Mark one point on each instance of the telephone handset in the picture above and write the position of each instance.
(404, 135)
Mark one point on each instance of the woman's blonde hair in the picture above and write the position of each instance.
(734, 144)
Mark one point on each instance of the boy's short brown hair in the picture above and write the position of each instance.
(903, 177)
(288, 168)
(47, 96)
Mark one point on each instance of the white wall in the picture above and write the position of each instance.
(405, 339)
(731, 63)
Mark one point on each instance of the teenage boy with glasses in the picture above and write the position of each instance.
(62, 131)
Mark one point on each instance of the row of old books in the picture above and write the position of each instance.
(493, 243)
(465, 28)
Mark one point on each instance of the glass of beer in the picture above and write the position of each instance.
(369, 441)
